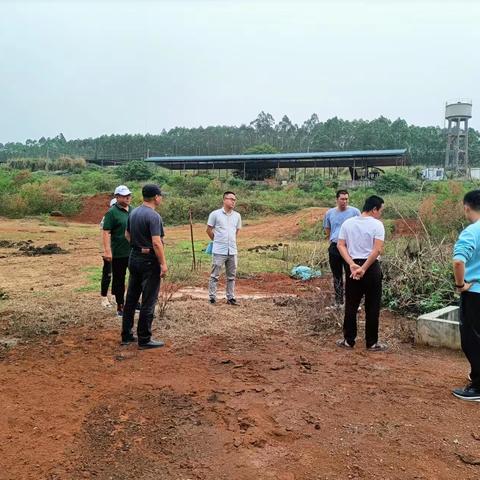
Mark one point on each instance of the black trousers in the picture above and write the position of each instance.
(106, 277)
(470, 332)
(370, 286)
(338, 266)
(144, 280)
(119, 272)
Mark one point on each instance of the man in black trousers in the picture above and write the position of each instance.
(146, 265)
(116, 248)
(360, 242)
(332, 222)
(466, 269)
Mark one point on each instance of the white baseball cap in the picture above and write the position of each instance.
(122, 190)
(113, 201)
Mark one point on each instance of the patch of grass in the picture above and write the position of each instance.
(49, 221)
(252, 263)
(94, 277)
(40, 294)
(311, 254)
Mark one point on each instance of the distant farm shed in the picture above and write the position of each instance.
(353, 159)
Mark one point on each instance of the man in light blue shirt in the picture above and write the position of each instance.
(222, 227)
(332, 222)
(466, 269)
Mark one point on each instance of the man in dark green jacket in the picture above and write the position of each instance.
(115, 245)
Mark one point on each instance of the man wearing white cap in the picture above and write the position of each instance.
(115, 246)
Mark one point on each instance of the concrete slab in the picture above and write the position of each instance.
(439, 328)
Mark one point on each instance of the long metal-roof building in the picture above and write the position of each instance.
(353, 159)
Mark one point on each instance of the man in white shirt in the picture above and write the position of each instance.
(360, 242)
(222, 227)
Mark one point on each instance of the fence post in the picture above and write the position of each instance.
(194, 263)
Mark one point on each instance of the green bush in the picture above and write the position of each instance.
(91, 182)
(418, 276)
(316, 185)
(192, 186)
(400, 205)
(234, 182)
(6, 180)
(313, 232)
(391, 182)
(41, 198)
(175, 210)
(161, 176)
(136, 170)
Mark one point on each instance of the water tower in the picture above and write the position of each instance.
(457, 115)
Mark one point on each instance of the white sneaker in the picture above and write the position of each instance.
(336, 306)
(105, 302)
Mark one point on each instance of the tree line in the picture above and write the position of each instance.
(426, 145)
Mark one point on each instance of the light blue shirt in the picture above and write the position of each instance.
(334, 219)
(467, 250)
(225, 227)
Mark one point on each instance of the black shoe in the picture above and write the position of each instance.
(212, 301)
(138, 307)
(468, 393)
(151, 344)
(232, 301)
(130, 339)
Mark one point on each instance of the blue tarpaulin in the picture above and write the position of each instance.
(303, 272)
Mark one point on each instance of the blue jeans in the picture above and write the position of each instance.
(144, 280)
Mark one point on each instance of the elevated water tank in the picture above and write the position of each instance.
(457, 115)
(460, 109)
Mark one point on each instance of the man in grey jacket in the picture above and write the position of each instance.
(222, 227)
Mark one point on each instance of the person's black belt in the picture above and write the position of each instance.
(361, 261)
(144, 250)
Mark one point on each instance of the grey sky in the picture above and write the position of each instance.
(93, 68)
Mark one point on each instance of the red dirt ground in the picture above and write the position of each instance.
(407, 227)
(264, 283)
(268, 407)
(239, 393)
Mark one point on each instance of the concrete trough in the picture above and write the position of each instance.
(439, 328)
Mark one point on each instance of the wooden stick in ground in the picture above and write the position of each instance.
(194, 263)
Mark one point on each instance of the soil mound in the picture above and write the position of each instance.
(49, 249)
(9, 244)
(94, 208)
(407, 227)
